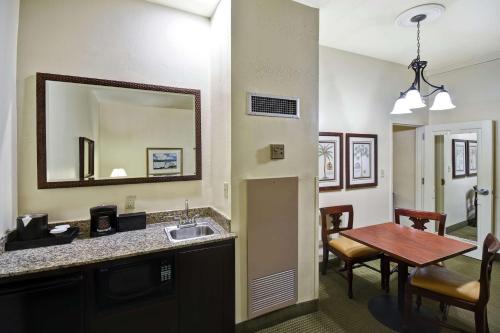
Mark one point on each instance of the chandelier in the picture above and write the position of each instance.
(411, 98)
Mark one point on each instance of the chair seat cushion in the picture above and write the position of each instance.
(351, 249)
(442, 281)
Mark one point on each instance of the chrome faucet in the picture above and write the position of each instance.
(187, 221)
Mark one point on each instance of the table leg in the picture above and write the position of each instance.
(402, 277)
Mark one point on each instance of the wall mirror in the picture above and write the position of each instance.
(457, 165)
(99, 132)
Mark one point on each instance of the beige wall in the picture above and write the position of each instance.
(128, 40)
(404, 164)
(475, 92)
(9, 15)
(71, 114)
(221, 107)
(275, 51)
(125, 131)
(356, 95)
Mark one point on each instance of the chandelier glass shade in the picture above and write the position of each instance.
(411, 98)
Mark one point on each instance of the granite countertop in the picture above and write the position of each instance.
(93, 250)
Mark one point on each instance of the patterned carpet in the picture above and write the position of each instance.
(339, 314)
(466, 232)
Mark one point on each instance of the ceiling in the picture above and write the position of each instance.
(199, 7)
(467, 33)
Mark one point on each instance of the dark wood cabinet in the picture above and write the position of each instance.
(157, 317)
(199, 298)
(54, 305)
(205, 280)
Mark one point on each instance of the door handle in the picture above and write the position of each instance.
(482, 191)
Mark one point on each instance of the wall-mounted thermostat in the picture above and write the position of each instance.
(277, 151)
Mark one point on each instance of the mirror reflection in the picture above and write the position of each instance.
(456, 167)
(96, 132)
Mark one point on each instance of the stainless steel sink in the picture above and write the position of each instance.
(177, 234)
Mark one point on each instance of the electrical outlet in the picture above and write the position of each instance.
(130, 202)
(277, 151)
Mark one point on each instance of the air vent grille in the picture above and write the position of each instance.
(273, 106)
(272, 291)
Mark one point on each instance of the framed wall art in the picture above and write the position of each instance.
(362, 160)
(164, 161)
(330, 161)
(471, 158)
(459, 158)
(86, 158)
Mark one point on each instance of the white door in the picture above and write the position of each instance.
(461, 154)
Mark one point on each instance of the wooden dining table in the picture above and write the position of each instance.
(409, 247)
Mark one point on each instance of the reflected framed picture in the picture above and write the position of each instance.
(362, 160)
(330, 161)
(164, 161)
(459, 158)
(471, 158)
(86, 158)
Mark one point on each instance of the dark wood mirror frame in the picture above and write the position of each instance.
(42, 78)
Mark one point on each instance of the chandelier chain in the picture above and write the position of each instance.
(418, 41)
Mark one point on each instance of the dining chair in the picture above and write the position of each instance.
(442, 285)
(419, 219)
(352, 253)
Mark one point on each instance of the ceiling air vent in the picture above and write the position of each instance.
(273, 106)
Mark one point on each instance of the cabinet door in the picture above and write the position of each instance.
(52, 305)
(157, 317)
(205, 282)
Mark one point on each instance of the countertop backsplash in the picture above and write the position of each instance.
(156, 217)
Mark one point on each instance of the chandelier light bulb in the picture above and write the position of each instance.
(414, 100)
(442, 101)
(401, 106)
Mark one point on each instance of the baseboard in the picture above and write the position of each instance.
(278, 316)
(456, 226)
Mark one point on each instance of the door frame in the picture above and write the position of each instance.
(425, 192)
(417, 126)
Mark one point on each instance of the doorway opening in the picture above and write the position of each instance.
(404, 167)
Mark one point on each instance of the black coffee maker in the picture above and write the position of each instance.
(103, 220)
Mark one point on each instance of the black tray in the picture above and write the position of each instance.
(66, 237)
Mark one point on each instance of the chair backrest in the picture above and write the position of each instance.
(335, 212)
(491, 246)
(420, 218)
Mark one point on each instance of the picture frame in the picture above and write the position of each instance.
(330, 161)
(164, 162)
(86, 158)
(459, 158)
(361, 160)
(472, 158)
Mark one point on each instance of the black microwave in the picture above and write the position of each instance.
(135, 282)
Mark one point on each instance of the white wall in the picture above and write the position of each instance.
(475, 92)
(356, 95)
(221, 106)
(126, 131)
(127, 40)
(275, 51)
(9, 15)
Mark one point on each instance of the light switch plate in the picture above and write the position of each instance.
(277, 151)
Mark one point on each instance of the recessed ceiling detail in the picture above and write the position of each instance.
(429, 12)
(199, 7)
